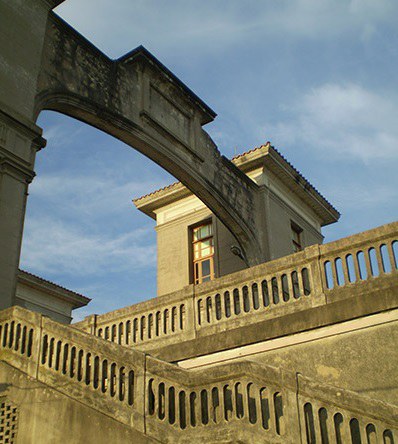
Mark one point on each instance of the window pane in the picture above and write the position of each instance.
(206, 247)
(202, 232)
(206, 268)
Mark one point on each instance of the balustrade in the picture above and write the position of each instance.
(241, 397)
(292, 283)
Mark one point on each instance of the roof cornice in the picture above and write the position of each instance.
(266, 157)
(49, 287)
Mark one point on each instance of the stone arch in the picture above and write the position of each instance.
(137, 100)
(134, 98)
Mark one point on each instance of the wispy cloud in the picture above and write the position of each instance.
(52, 246)
(341, 122)
(217, 24)
(354, 195)
(61, 135)
(89, 195)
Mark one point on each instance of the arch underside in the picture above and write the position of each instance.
(137, 100)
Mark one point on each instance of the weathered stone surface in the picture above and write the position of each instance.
(239, 401)
(47, 416)
(136, 99)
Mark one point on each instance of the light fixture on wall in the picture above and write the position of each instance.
(237, 251)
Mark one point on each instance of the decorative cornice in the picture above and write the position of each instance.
(49, 287)
(21, 123)
(16, 170)
(266, 157)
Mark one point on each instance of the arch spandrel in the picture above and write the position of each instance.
(137, 100)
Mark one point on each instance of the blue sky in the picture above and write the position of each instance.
(317, 78)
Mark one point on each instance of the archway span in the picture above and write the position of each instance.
(134, 98)
(137, 100)
(80, 220)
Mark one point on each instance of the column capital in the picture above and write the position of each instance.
(20, 139)
(15, 169)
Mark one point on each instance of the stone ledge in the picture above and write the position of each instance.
(372, 302)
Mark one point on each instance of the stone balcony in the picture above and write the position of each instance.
(319, 286)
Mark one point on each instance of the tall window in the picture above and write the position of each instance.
(296, 237)
(203, 253)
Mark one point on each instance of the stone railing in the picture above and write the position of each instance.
(329, 415)
(318, 275)
(242, 401)
(96, 372)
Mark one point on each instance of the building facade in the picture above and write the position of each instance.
(194, 246)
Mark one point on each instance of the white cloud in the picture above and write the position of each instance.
(90, 194)
(213, 25)
(60, 135)
(357, 196)
(51, 246)
(341, 122)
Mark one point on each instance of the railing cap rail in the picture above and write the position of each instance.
(348, 400)
(355, 241)
(151, 305)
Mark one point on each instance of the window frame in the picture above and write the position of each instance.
(296, 230)
(196, 278)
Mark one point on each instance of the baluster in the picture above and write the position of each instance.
(213, 310)
(257, 401)
(363, 422)
(367, 263)
(221, 406)
(379, 259)
(50, 358)
(345, 429)
(345, 269)
(302, 420)
(300, 283)
(178, 410)
(280, 286)
(169, 329)
(394, 265)
(272, 411)
(317, 427)
(334, 273)
(233, 416)
(155, 391)
(211, 406)
(200, 317)
(290, 285)
(331, 431)
(246, 402)
(358, 276)
(166, 402)
(270, 295)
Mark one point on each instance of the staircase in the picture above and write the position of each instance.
(238, 402)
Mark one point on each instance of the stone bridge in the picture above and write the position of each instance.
(47, 65)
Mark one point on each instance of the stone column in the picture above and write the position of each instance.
(19, 142)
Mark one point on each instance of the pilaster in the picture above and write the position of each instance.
(19, 142)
